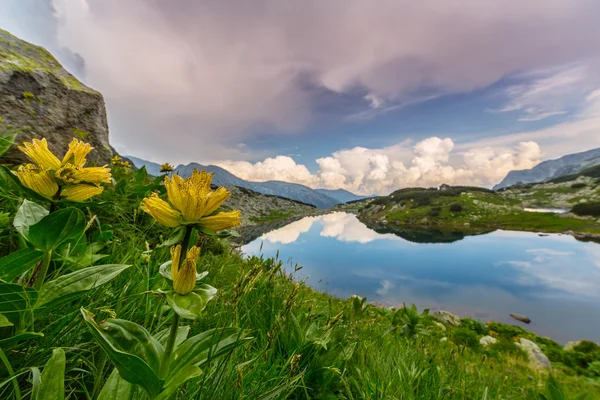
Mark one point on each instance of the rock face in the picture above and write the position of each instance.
(447, 317)
(39, 98)
(537, 359)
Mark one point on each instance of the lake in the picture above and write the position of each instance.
(553, 279)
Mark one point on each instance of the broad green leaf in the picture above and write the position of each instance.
(36, 382)
(191, 305)
(4, 321)
(204, 347)
(18, 262)
(20, 338)
(163, 336)
(28, 214)
(116, 388)
(57, 228)
(53, 377)
(16, 298)
(78, 281)
(7, 139)
(176, 237)
(130, 347)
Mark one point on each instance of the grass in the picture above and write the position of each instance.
(306, 344)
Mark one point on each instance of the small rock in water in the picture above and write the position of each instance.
(447, 317)
(487, 341)
(537, 359)
(521, 318)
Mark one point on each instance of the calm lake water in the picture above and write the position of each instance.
(554, 280)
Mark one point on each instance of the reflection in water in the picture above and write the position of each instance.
(555, 280)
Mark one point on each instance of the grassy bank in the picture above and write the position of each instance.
(301, 344)
(469, 210)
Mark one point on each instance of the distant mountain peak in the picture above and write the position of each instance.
(551, 169)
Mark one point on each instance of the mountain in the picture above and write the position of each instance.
(552, 169)
(40, 99)
(341, 195)
(223, 177)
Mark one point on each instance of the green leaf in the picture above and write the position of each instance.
(78, 281)
(205, 230)
(16, 298)
(53, 377)
(174, 382)
(7, 139)
(135, 353)
(163, 336)
(176, 237)
(36, 382)
(20, 338)
(66, 225)
(116, 388)
(207, 346)
(191, 305)
(18, 262)
(28, 214)
(4, 322)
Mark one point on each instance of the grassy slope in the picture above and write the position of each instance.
(306, 344)
(480, 210)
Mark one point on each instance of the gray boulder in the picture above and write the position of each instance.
(447, 317)
(487, 341)
(39, 98)
(521, 318)
(537, 359)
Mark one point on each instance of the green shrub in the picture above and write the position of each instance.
(594, 368)
(507, 331)
(435, 212)
(465, 337)
(591, 209)
(456, 207)
(478, 327)
(587, 347)
(578, 185)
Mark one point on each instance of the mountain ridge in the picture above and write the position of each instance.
(551, 169)
(223, 177)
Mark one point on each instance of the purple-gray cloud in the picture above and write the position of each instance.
(186, 80)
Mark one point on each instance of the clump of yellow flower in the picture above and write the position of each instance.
(118, 162)
(184, 277)
(166, 167)
(191, 201)
(68, 179)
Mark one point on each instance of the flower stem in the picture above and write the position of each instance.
(39, 281)
(164, 368)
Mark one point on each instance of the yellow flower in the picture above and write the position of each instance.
(184, 277)
(76, 174)
(38, 180)
(38, 152)
(166, 167)
(77, 152)
(191, 201)
(51, 175)
(81, 192)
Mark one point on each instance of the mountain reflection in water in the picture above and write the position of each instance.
(555, 279)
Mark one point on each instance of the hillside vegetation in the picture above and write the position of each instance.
(93, 308)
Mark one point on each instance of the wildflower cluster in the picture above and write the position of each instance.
(67, 179)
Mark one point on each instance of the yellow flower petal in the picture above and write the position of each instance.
(80, 192)
(175, 254)
(196, 188)
(215, 199)
(77, 152)
(38, 180)
(38, 152)
(186, 275)
(175, 190)
(166, 167)
(74, 174)
(222, 220)
(161, 211)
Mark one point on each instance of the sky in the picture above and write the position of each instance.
(364, 96)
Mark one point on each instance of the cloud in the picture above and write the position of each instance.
(379, 171)
(211, 74)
